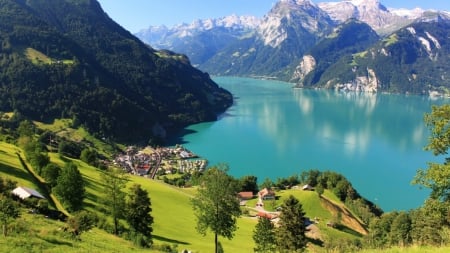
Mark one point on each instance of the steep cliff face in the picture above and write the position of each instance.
(290, 29)
(366, 83)
(305, 67)
(348, 38)
(411, 60)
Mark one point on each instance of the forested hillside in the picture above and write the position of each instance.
(68, 59)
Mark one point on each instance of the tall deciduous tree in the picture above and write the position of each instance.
(249, 183)
(216, 205)
(114, 197)
(428, 222)
(51, 173)
(437, 175)
(138, 213)
(8, 211)
(291, 231)
(400, 234)
(264, 236)
(70, 187)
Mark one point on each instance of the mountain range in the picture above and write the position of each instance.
(279, 44)
(68, 59)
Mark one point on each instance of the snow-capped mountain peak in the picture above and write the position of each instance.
(371, 12)
(407, 13)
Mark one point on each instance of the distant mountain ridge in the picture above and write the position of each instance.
(202, 38)
(277, 44)
(68, 59)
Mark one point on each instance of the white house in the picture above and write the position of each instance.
(24, 193)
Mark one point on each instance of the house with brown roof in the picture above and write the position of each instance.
(266, 194)
(245, 195)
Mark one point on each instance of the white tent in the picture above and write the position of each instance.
(24, 193)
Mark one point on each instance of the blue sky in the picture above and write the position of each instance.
(135, 15)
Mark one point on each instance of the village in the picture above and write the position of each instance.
(149, 161)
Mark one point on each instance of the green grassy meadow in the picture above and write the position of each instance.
(174, 219)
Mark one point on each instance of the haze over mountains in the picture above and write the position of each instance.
(276, 45)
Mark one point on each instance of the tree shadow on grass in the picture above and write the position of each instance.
(55, 241)
(164, 239)
(18, 173)
(315, 241)
(347, 230)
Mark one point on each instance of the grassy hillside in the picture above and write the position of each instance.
(174, 220)
(172, 211)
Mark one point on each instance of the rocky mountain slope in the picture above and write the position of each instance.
(279, 46)
(412, 60)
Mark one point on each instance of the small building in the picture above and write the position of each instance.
(307, 187)
(25, 192)
(267, 215)
(245, 195)
(266, 194)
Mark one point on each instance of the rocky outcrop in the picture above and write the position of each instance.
(307, 65)
(368, 83)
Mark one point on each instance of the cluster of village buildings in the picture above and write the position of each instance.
(148, 161)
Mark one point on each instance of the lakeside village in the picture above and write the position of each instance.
(150, 162)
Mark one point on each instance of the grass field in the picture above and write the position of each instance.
(37, 57)
(11, 167)
(174, 219)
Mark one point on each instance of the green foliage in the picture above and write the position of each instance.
(89, 156)
(70, 187)
(114, 181)
(215, 204)
(264, 236)
(34, 153)
(291, 231)
(344, 190)
(380, 229)
(267, 184)
(438, 121)
(69, 148)
(249, 183)
(51, 173)
(400, 234)
(436, 176)
(26, 129)
(351, 37)
(81, 221)
(400, 63)
(428, 223)
(8, 211)
(51, 66)
(138, 214)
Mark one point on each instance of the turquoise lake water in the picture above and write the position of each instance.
(272, 130)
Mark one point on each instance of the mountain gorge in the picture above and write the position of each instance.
(282, 46)
(68, 59)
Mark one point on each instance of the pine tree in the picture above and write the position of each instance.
(291, 231)
(138, 213)
(264, 236)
